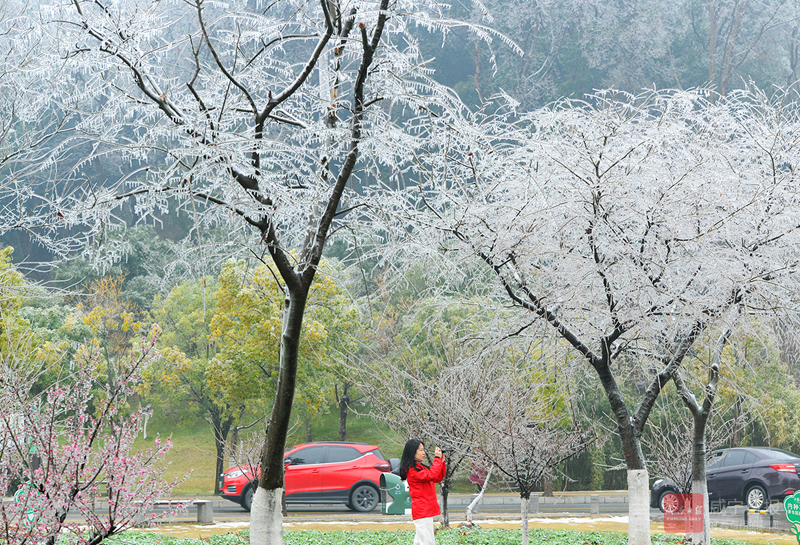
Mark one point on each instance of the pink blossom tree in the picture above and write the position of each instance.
(60, 444)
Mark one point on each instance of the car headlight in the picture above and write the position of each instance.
(234, 474)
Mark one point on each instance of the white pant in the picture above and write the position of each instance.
(424, 535)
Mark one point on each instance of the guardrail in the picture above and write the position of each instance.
(762, 512)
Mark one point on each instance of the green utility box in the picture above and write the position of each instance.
(394, 495)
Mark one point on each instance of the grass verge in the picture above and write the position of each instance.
(453, 536)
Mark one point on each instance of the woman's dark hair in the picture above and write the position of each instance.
(407, 461)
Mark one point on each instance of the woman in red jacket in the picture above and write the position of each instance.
(421, 488)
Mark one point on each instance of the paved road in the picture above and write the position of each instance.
(500, 505)
(497, 506)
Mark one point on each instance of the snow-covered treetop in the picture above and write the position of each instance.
(238, 112)
(623, 217)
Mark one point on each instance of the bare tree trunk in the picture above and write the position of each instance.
(307, 427)
(794, 58)
(221, 429)
(727, 59)
(548, 483)
(638, 481)
(712, 40)
(477, 76)
(445, 507)
(233, 443)
(219, 466)
(146, 418)
(344, 407)
(699, 486)
(478, 498)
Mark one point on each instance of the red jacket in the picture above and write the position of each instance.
(422, 490)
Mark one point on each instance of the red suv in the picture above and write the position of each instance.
(325, 472)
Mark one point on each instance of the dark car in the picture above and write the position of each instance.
(754, 476)
(325, 472)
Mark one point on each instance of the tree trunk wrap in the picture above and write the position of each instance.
(523, 510)
(638, 507)
(704, 537)
(699, 485)
(266, 521)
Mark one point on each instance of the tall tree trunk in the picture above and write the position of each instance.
(730, 43)
(737, 429)
(712, 40)
(477, 76)
(266, 521)
(700, 416)
(221, 429)
(794, 58)
(233, 445)
(478, 498)
(638, 481)
(344, 407)
(548, 483)
(266, 526)
(445, 508)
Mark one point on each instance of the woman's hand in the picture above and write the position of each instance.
(437, 453)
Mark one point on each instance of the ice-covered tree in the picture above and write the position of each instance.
(418, 384)
(35, 124)
(628, 224)
(520, 426)
(572, 47)
(274, 123)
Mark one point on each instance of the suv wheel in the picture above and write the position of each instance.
(756, 497)
(363, 498)
(247, 499)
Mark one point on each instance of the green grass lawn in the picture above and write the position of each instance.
(454, 536)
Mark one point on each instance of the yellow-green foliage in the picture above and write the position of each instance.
(226, 334)
(20, 345)
(12, 286)
(11, 282)
(14, 330)
(753, 379)
(110, 319)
